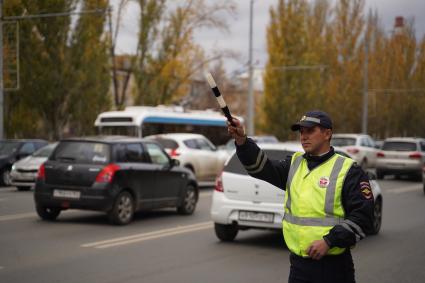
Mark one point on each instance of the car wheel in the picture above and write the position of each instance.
(190, 167)
(188, 204)
(5, 177)
(380, 175)
(47, 213)
(123, 210)
(377, 219)
(226, 233)
(21, 188)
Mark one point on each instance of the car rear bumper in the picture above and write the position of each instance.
(99, 198)
(399, 165)
(226, 211)
(395, 169)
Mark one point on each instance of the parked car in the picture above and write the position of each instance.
(242, 202)
(194, 152)
(400, 156)
(361, 147)
(230, 145)
(112, 174)
(24, 171)
(14, 150)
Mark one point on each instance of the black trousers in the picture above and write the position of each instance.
(329, 269)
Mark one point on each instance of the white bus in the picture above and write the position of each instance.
(141, 121)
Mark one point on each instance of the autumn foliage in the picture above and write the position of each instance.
(317, 61)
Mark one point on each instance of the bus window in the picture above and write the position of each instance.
(216, 134)
(119, 130)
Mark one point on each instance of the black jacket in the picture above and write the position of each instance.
(357, 199)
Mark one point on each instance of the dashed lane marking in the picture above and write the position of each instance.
(17, 216)
(137, 238)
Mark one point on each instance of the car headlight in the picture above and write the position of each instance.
(13, 167)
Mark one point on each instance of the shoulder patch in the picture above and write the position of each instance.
(366, 190)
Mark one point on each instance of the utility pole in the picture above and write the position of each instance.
(365, 86)
(251, 129)
(1, 73)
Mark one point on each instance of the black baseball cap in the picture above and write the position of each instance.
(313, 118)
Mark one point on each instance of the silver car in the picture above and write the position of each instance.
(24, 172)
(401, 156)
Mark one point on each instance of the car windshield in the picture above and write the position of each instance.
(343, 141)
(399, 146)
(44, 151)
(235, 166)
(167, 143)
(8, 147)
(82, 152)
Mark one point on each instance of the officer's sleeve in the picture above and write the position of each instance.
(258, 165)
(358, 203)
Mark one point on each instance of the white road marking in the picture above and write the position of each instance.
(17, 216)
(407, 189)
(148, 236)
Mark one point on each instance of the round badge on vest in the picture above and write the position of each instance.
(323, 182)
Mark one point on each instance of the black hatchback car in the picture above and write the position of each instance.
(13, 150)
(118, 175)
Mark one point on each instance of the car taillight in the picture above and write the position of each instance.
(380, 154)
(415, 155)
(107, 173)
(353, 150)
(174, 152)
(41, 175)
(219, 183)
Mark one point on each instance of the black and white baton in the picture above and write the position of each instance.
(219, 98)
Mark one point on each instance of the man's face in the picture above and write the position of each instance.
(315, 140)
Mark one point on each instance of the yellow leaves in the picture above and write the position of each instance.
(304, 33)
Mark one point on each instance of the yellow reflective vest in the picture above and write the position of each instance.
(313, 203)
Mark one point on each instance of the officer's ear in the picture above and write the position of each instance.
(327, 132)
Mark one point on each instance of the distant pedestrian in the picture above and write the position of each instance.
(328, 203)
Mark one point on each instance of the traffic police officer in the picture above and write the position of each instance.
(328, 203)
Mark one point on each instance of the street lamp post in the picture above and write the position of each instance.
(251, 111)
(1, 73)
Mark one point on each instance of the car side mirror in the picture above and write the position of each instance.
(22, 155)
(174, 162)
(371, 175)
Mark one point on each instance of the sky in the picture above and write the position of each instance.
(237, 39)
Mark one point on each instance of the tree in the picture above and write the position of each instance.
(90, 68)
(293, 41)
(167, 56)
(57, 70)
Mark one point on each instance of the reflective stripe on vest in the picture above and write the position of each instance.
(318, 206)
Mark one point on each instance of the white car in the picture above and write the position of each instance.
(242, 202)
(194, 152)
(362, 148)
(400, 156)
(24, 171)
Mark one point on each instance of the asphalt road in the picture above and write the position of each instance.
(163, 246)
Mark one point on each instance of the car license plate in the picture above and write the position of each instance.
(256, 216)
(66, 194)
